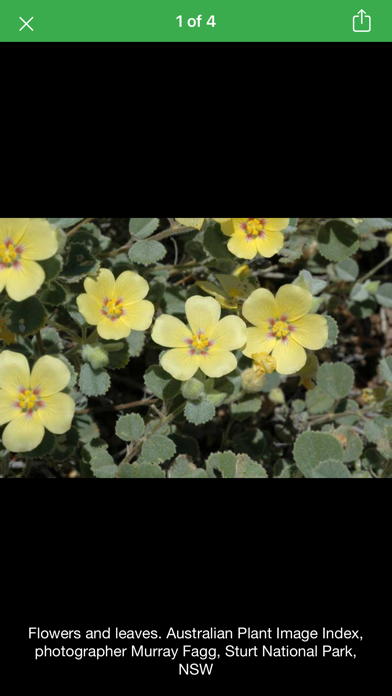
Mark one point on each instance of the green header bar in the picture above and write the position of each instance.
(195, 20)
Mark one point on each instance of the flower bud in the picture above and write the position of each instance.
(252, 380)
(264, 362)
(193, 390)
(96, 356)
(242, 272)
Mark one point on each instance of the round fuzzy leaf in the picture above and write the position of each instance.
(140, 470)
(136, 341)
(199, 412)
(384, 295)
(26, 317)
(215, 243)
(147, 252)
(161, 383)
(143, 227)
(80, 263)
(338, 241)
(102, 464)
(311, 449)
(184, 468)
(331, 468)
(232, 465)
(386, 369)
(93, 382)
(336, 379)
(333, 332)
(130, 427)
(351, 442)
(54, 294)
(65, 445)
(52, 267)
(347, 270)
(319, 402)
(64, 222)
(158, 449)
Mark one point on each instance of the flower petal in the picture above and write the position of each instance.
(131, 287)
(180, 364)
(138, 316)
(57, 413)
(24, 433)
(260, 307)
(113, 330)
(13, 228)
(241, 246)
(311, 331)
(293, 302)
(289, 355)
(49, 375)
(229, 334)
(197, 223)
(4, 274)
(101, 287)
(258, 341)
(271, 244)
(90, 307)
(228, 227)
(23, 282)
(170, 332)
(203, 314)
(39, 240)
(218, 362)
(7, 408)
(276, 224)
(14, 372)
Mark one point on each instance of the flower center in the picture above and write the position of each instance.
(9, 253)
(113, 309)
(199, 344)
(254, 227)
(281, 329)
(28, 400)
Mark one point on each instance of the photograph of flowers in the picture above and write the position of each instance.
(196, 348)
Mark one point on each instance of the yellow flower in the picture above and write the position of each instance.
(29, 403)
(198, 222)
(252, 236)
(23, 241)
(206, 345)
(116, 306)
(284, 326)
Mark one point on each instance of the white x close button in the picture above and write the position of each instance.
(26, 24)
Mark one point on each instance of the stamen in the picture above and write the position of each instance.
(113, 309)
(281, 329)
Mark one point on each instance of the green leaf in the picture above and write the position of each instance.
(143, 227)
(93, 382)
(44, 449)
(386, 369)
(80, 263)
(64, 222)
(308, 282)
(161, 383)
(351, 442)
(333, 331)
(384, 295)
(336, 379)
(247, 407)
(102, 464)
(52, 267)
(311, 449)
(347, 270)
(130, 427)
(158, 449)
(147, 252)
(65, 446)
(25, 317)
(338, 241)
(215, 243)
(140, 470)
(331, 468)
(136, 341)
(54, 294)
(199, 412)
(184, 468)
(318, 401)
(232, 465)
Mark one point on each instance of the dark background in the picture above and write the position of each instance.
(298, 555)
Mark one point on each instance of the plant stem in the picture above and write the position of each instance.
(375, 269)
(75, 229)
(119, 407)
(40, 343)
(139, 445)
